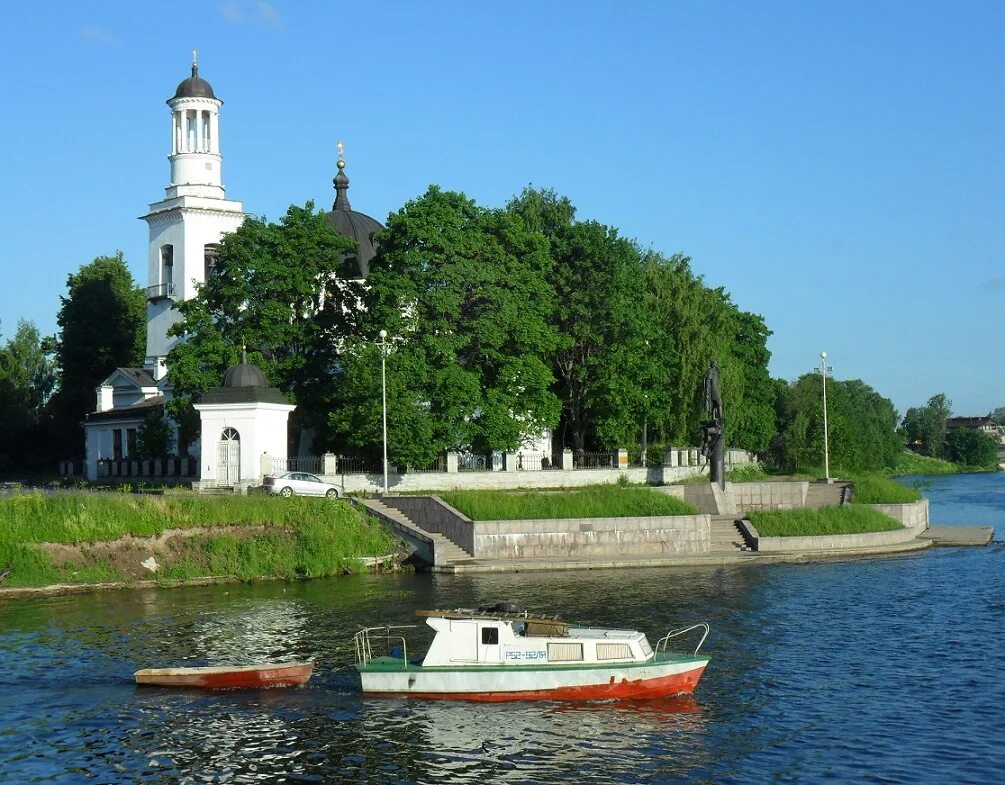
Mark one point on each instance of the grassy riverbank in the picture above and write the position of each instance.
(91, 537)
(850, 519)
(599, 501)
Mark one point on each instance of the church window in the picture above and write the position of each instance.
(167, 268)
(117, 444)
(210, 253)
(131, 442)
(230, 435)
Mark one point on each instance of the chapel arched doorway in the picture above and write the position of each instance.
(228, 465)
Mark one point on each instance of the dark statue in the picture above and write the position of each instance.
(713, 448)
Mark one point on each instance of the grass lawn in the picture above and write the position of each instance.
(850, 519)
(873, 489)
(264, 536)
(601, 501)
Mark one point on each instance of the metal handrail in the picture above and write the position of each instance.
(364, 647)
(662, 643)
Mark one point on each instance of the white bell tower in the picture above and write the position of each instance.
(186, 226)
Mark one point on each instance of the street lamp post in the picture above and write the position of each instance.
(382, 343)
(823, 379)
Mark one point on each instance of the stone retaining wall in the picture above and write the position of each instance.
(788, 495)
(561, 538)
(593, 537)
(910, 515)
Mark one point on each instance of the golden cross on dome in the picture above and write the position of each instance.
(341, 154)
(195, 58)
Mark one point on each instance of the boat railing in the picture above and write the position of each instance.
(664, 642)
(383, 637)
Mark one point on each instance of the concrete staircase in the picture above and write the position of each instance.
(445, 550)
(823, 495)
(726, 535)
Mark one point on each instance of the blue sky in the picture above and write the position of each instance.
(837, 167)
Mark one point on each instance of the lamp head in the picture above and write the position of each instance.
(823, 355)
(382, 334)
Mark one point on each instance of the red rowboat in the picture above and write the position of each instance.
(229, 677)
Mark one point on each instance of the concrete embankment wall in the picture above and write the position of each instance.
(562, 538)
(915, 514)
(740, 497)
(911, 515)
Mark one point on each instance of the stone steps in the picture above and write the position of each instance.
(726, 535)
(824, 495)
(445, 548)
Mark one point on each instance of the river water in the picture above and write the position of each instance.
(885, 671)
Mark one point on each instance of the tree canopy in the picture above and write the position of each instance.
(861, 426)
(102, 322)
(282, 290)
(462, 291)
(638, 331)
(27, 379)
(971, 447)
(924, 427)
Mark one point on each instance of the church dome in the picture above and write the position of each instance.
(244, 374)
(194, 87)
(354, 225)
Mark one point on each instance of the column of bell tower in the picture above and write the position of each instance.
(190, 221)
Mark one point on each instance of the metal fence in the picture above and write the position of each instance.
(468, 462)
(357, 464)
(594, 460)
(537, 462)
(313, 464)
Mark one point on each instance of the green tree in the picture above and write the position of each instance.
(638, 331)
(282, 289)
(861, 426)
(602, 357)
(463, 290)
(102, 322)
(27, 379)
(998, 415)
(924, 427)
(155, 437)
(970, 447)
(691, 325)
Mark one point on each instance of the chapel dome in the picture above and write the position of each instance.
(354, 225)
(244, 374)
(194, 87)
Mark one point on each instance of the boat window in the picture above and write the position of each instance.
(565, 652)
(614, 651)
(490, 636)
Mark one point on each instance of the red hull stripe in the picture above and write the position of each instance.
(677, 684)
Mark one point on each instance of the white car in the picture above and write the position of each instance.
(302, 484)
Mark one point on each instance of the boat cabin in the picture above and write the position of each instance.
(500, 638)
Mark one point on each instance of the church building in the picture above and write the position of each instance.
(185, 228)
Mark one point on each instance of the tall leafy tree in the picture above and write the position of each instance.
(861, 426)
(27, 379)
(692, 325)
(102, 322)
(281, 289)
(463, 291)
(601, 363)
(924, 427)
(971, 447)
